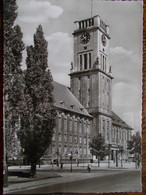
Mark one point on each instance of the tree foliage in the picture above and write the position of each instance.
(13, 47)
(98, 147)
(38, 111)
(134, 145)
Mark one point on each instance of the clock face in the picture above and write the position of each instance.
(103, 39)
(85, 37)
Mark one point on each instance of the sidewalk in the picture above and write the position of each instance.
(49, 175)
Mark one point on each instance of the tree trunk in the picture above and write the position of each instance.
(33, 169)
(121, 161)
(98, 161)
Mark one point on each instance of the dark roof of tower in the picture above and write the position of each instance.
(64, 99)
(116, 120)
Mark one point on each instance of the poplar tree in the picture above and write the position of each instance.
(13, 47)
(38, 116)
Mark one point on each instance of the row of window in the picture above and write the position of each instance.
(71, 137)
(74, 125)
(85, 61)
(106, 133)
(66, 150)
(118, 135)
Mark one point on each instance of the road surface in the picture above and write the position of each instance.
(124, 181)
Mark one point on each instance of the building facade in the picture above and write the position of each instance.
(73, 127)
(91, 87)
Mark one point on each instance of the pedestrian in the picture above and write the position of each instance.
(89, 168)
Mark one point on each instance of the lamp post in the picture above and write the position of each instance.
(57, 157)
(77, 158)
(109, 146)
(116, 158)
(70, 155)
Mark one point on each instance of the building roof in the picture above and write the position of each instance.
(116, 120)
(64, 99)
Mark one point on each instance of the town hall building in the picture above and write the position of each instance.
(85, 109)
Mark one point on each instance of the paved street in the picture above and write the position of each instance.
(96, 181)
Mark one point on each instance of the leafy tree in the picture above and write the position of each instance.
(13, 47)
(98, 147)
(38, 110)
(134, 145)
(121, 151)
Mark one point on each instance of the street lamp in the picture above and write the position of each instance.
(76, 152)
(116, 158)
(57, 157)
(70, 155)
(109, 146)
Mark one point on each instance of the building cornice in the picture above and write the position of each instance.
(91, 71)
(78, 31)
(100, 113)
(73, 112)
(122, 126)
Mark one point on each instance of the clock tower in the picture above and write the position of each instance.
(91, 74)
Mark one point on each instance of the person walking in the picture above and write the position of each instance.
(89, 168)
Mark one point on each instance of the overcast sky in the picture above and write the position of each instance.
(125, 20)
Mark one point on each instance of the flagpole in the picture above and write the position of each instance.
(91, 7)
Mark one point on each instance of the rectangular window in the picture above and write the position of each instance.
(59, 123)
(65, 124)
(53, 150)
(83, 24)
(60, 149)
(117, 138)
(59, 136)
(65, 149)
(85, 140)
(101, 61)
(70, 149)
(70, 138)
(85, 61)
(65, 138)
(105, 63)
(92, 21)
(85, 127)
(112, 134)
(80, 62)
(88, 130)
(127, 135)
(80, 127)
(90, 60)
(107, 130)
(103, 128)
(70, 125)
(75, 127)
(80, 139)
(75, 138)
(120, 131)
(86, 23)
(53, 138)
